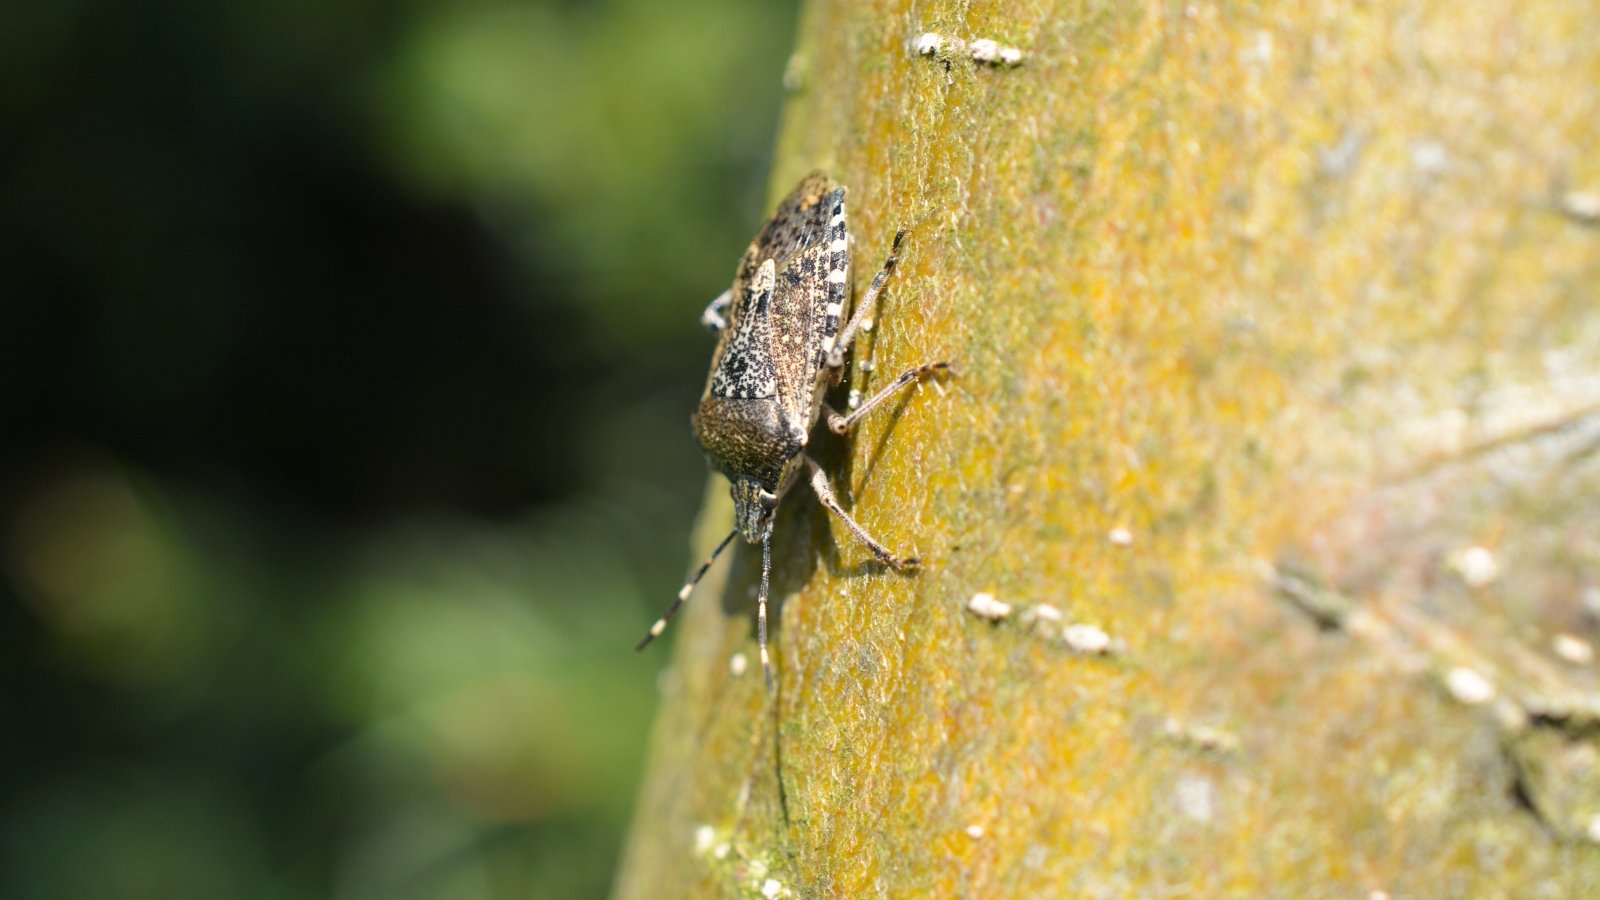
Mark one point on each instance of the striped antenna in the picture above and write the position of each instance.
(683, 594)
(761, 604)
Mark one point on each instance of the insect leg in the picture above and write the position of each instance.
(865, 309)
(712, 318)
(819, 483)
(841, 424)
(683, 593)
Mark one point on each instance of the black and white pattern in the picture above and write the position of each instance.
(746, 370)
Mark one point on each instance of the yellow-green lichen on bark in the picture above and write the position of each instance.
(1251, 305)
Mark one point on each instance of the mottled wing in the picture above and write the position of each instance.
(745, 364)
(797, 224)
(806, 240)
(743, 367)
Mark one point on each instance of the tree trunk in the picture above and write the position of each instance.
(1275, 425)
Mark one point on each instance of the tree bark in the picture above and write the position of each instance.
(1279, 369)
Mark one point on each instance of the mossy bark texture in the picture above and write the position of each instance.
(1277, 329)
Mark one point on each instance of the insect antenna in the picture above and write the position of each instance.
(688, 586)
(761, 604)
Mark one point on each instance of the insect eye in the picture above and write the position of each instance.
(769, 501)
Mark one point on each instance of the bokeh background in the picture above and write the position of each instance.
(346, 353)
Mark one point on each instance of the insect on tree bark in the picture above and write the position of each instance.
(780, 349)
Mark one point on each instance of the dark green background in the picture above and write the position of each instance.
(346, 353)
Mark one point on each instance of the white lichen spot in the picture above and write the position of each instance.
(704, 837)
(1429, 157)
(771, 888)
(1195, 798)
(737, 664)
(1573, 649)
(1584, 206)
(1033, 616)
(1086, 639)
(983, 50)
(1476, 565)
(985, 606)
(1202, 736)
(794, 73)
(975, 832)
(1468, 686)
(1120, 536)
(1260, 50)
(1208, 738)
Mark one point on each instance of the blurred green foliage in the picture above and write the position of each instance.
(346, 352)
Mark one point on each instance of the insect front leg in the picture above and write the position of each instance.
(841, 424)
(713, 318)
(824, 491)
(864, 310)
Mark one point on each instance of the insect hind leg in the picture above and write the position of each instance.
(824, 492)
